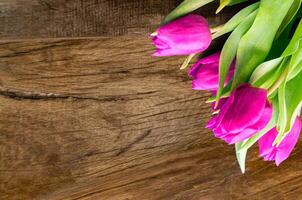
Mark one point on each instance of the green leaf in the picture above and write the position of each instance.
(283, 114)
(294, 49)
(229, 51)
(286, 111)
(224, 3)
(226, 92)
(273, 78)
(260, 74)
(294, 43)
(234, 2)
(241, 156)
(293, 99)
(268, 73)
(256, 43)
(236, 20)
(295, 71)
(270, 79)
(290, 16)
(290, 100)
(186, 7)
(281, 42)
(295, 60)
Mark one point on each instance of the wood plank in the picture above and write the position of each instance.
(77, 18)
(87, 18)
(87, 100)
(101, 119)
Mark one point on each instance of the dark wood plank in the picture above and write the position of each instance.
(65, 102)
(86, 18)
(77, 18)
(101, 119)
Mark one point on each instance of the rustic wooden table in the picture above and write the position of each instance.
(86, 113)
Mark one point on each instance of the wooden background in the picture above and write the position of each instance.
(86, 113)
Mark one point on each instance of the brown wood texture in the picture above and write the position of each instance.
(98, 118)
(86, 18)
(76, 18)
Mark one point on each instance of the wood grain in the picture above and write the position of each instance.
(87, 18)
(101, 119)
(90, 101)
(78, 18)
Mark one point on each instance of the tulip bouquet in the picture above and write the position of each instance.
(255, 79)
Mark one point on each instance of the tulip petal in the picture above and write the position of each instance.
(289, 142)
(246, 110)
(212, 59)
(205, 73)
(206, 78)
(239, 118)
(170, 52)
(259, 125)
(281, 152)
(266, 141)
(223, 111)
(187, 35)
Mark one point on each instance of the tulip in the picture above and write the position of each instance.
(205, 73)
(244, 113)
(184, 36)
(270, 152)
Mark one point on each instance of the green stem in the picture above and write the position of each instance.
(187, 61)
(216, 29)
(277, 84)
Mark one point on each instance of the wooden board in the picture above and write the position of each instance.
(78, 18)
(99, 118)
(87, 18)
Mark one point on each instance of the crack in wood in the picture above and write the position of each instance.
(21, 95)
(130, 145)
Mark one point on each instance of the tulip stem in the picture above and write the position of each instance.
(276, 85)
(222, 6)
(187, 61)
(216, 29)
(213, 99)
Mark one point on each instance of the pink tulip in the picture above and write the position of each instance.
(278, 154)
(205, 73)
(244, 113)
(187, 35)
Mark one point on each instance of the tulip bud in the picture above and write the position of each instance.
(279, 153)
(184, 36)
(245, 112)
(205, 73)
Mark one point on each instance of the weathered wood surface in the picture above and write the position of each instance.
(74, 18)
(98, 118)
(83, 18)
